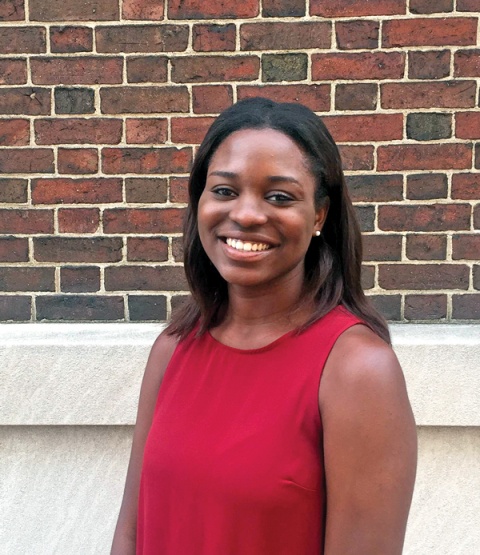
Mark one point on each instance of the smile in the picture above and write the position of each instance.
(246, 246)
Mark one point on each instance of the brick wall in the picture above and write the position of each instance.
(103, 101)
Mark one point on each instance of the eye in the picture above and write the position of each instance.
(280, 198)
(223, 191)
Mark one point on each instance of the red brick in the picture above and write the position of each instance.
(388, 305)
(22, 40)
(283, 8)
(366, 217)
(467, 5)
(78, 220)
(445, 94)
(382, 247)
(12, 10)
(466, 247)
(466, 307)
(177, 248)
(80, 279)
(147, 249)
(425, 307)
(144, 100)
(476, 217)
(15, 308)
(427, 6)
(77, 160)
(424, 217)
(146, 131)
(13, 191)
(147, 69)
(467, 63)
(356, 8)
(285, 36)
(26, 221)
(315, 97)
(199, 9)
(456, 31)
(375, 188)
(358, 34)
(357, 157)
(214, 38)
(179, 189)
(426, 247)
(145, 190)
(376, 127)
(31, 101)
(195, 69)
(76, 191)
(13, 249)
(79, 70)
(423, 276)
(190, 130)
(146, 160)
(356, 96)
(26, 160)
(426, 186)
(467, 125)
(368, 277)
(142, 38)
(424, 157)
(74, 249)
(211, 99)
(466, 186)
(73, 10)
(432, 64)
(71, 39)
(79, 308)
(143, 220)
(362, 65)
(13, 71)
(78, 131)
(142, 9)
(145, 278)
(14, 132)
(27, 279)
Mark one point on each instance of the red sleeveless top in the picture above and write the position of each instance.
(233, 463)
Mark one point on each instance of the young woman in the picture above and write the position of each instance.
(273, 415)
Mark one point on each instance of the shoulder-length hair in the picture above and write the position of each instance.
(332, 262)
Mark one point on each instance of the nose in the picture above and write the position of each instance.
(248, 211)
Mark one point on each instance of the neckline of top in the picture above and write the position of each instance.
(262, 349)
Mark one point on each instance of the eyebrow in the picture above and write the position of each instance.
(271, 178)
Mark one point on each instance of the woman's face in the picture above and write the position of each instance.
(256, 215)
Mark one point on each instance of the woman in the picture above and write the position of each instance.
(282, 425)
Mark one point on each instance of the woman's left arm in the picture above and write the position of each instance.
(370, 447)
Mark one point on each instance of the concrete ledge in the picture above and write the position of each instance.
(89, 374)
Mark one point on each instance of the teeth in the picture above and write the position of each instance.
(246, 246)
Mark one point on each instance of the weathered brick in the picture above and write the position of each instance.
(13, 249)
(211, 99)
(76, 191)
(467, 63)
(190, 130)
(283, 8)
(426, 186)
(466, 247)
(144, 100)
(366, 217)
(142, 38)
(73, 10)
(12, 10)
(389, 306)
(476, 276)
(143, 220)
(432, 64)
(357, 157)
(315, 97)
(424, 217)
(214, 38)
(466, 186)
(74, 249)
(375, 127)
(146, 131)
(78, 70)
(22, 40)
(356, 8)
(14, 132)
(177, 302)
(361, 65)
(285, 36)
(13, 191)
(445, 94)
(425, 307)
(427, 6)
(147, 69)
(78, 131)
(424, 157)
(466, 307)
(145, 190)
(429, 126)
(20, 278)
(145, 278)
(198, 9)
(74, 101)
(78, 220)
(31, 101)
(423, 276)
(147, 308)
(177, 248)
(467, 5)
(147, 249)
(178, 189)
(357, 34)
(284, 67)
(146, 160)
(71, 39)
(77, 160)
(81, 279)
(356, 96)
(467, 125)
(15, 308)
(368, 276)
(477, 156)
(455, 31)
(26, 160)
(79, 308)
(375, 188)
(426, 247)
(142, 9)
(382, 247)
(197, 69)
(13, 71)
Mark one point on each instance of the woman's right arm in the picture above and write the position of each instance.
(124, 539)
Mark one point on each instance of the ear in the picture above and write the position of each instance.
(321, 215)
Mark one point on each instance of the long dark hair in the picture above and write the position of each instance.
(332, 262)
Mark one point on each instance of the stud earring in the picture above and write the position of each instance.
(318, 233)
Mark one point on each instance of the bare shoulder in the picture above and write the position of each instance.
(159, 357)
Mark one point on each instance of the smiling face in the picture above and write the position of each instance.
(256, 215)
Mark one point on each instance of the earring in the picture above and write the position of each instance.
(318, 233)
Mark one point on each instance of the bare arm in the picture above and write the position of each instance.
(125, 533)
(370, 447)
